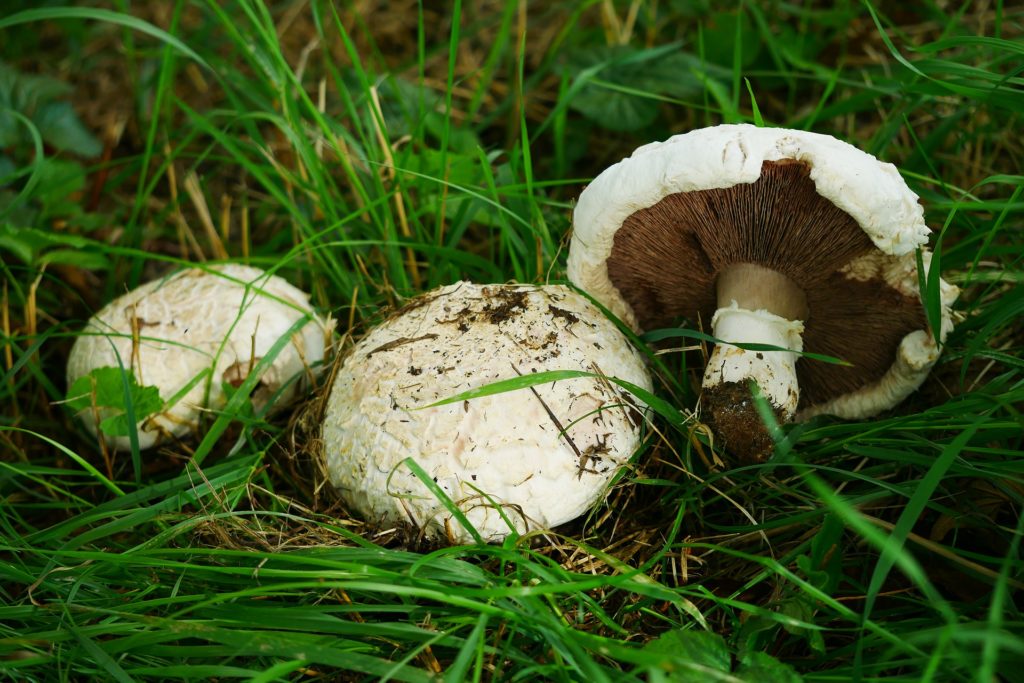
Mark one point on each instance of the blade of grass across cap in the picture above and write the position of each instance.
(241, 396)
(660, 406)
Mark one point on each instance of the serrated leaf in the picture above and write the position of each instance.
(802, 609)
(60, 127)
(702, 648)
(622, 83)
(58, 182)
(29, 244)
(105, 388)
(697, 654)
(24, 92)
(758, 667)
(614, 110)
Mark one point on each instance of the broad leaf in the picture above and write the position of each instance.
(619, 87)
(702, 648)
(693, 656)
(758, 667)
(60, 127)
(105, 388)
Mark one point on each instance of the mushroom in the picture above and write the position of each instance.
(530, 458)
(220, 320)
(779, 237)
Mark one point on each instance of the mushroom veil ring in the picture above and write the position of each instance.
(774, 237)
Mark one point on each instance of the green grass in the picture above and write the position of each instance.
(369, 158)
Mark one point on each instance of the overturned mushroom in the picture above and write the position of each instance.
(536, 456)
(206, 328)
(779, 237)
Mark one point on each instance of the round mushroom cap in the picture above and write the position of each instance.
(530, 458)
(652, 233)
(214, 324)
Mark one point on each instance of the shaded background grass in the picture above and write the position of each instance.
(369, 151)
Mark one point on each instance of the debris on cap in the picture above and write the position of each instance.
(530, 458)
(207, 327)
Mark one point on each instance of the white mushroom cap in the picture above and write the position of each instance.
(824, 233)
(543, 454)
(870, 191)
(221, 320)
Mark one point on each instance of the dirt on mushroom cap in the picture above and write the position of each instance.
(221, 320)
(542, 453)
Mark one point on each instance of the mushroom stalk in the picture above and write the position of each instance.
(756, 306)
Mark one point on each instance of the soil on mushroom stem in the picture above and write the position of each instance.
(730, 407)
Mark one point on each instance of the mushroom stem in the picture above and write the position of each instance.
(756, 306)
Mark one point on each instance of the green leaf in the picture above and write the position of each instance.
(24, 92)
(89, 260)
(694, 656)
(758, 667)
(22, 242)
(31, 245)
(57, 181)
(614, 110)
(61, 128)
(801, 609)
(703, 648)
(105, 388)
(622, 85)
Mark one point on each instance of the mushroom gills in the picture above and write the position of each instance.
(756, 306)
(785, 223)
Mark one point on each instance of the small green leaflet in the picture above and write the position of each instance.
(702, 649)
(698, 656)
(105, 388)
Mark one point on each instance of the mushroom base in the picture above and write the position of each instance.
(729, 407)
(727, 400)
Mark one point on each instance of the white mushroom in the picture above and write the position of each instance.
(210, 325)
(771, 236)
(539, 455)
